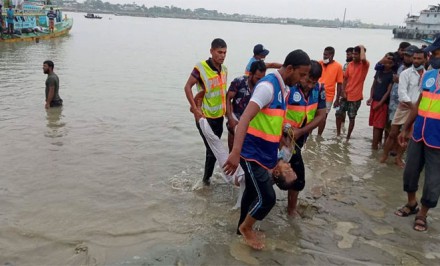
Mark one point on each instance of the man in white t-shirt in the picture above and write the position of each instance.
(257, 139)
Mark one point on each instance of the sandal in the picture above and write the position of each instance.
(420, 223)
(407, 210)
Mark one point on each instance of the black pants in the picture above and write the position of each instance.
(217, 127)
(259, 196)
(297, 164)
(420, 156)
(56, 103)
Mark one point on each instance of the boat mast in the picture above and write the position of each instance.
(343, 20)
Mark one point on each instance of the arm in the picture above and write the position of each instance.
(273, 65)
(369, 101)
(384, 97)
(402, 90)
(363, 56)
(234, 157)
(320, 116)
(50, 95)
(406, 130)
(340, 92)
(229, 98)
(190, 97)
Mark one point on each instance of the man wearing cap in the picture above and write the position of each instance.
(424, 146)
(260, 53)
(210, 76)
(408, 92)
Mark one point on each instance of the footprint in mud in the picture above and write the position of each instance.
(342, 229)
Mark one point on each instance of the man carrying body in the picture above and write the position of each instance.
(51, 15)
(352, 90)
(210, 77)
(52, 86)
(331, 74)
(424, 146)
(409, 92)
(257, 140)
(260, 54)
(306, 108)
(239, 94)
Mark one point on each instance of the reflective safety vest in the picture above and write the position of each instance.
(214, 101)
(300, 108)
(427, 124)
(264, 132)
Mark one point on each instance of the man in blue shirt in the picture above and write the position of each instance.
(51, 15)
(10, 20)
(260, 54)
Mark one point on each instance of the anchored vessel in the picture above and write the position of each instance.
(423, 27)
(31, 22)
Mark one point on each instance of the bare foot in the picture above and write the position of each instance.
(260, 234)
(293, 213)
(399, 163)
(383, 159)
(251, 239)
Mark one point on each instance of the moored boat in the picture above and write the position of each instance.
(32, 24)
(422, 27)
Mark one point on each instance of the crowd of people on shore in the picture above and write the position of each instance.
(270, 116)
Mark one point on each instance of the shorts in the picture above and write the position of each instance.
(51, 23)
(348, 106)
(400, 116)
(379, 117)
(328, 105)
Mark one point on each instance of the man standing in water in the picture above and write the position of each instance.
(352, 90)
(331, 75)
(257, 140)
(52, 86)
(408, 92)
(306, 109)
(210, 76)
(424, 146)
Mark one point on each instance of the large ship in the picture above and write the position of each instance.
(31, 22)
(423, 27)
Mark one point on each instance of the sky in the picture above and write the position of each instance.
(369, 11)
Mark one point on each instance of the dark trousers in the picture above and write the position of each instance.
(217, 127)
(259, 196)
(419, 155)
(297, 164)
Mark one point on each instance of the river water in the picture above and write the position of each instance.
(112, 178)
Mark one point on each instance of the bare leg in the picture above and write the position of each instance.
(338, 125)
(321, 126)
(292, 202)
(377, 136)
(398, 160)
(350, 127)
(389, 144)
(246, 229)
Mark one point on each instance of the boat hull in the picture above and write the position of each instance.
(61, 29)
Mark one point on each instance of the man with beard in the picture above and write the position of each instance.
(257, 140)
(348, 57)
(408, 92)
(424, 146)
(239, 94)
(52, 86)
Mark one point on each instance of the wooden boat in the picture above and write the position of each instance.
(93, 16)
(32, 24)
